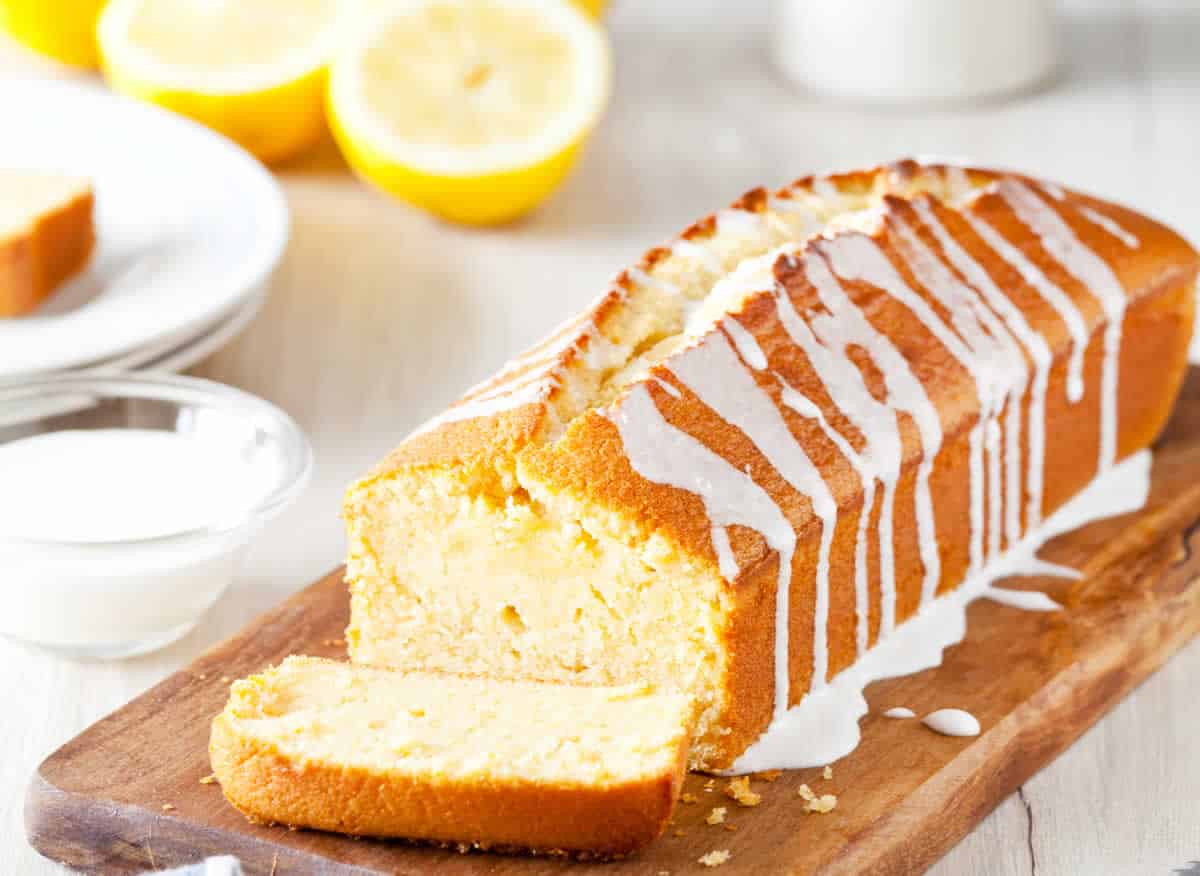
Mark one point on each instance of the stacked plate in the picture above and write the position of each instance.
(189, 228)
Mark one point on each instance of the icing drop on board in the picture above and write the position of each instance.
(952, 722)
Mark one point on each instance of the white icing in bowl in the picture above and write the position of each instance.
(128, 501)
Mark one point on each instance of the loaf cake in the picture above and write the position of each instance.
(774, 440)
(46, 236)
(359, 750)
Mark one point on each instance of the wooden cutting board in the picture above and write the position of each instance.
(126, 795)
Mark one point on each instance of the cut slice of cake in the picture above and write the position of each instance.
(374, 752)
(774, 442)
(46, 236)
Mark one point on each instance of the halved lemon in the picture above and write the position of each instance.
(471, 109)
(254, 70)
(64, 30)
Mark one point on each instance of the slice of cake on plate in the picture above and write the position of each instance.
(46, 235)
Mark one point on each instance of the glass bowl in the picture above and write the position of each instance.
(74, 581)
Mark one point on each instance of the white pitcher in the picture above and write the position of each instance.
(914, 50)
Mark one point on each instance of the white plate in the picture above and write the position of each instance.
(188, 224)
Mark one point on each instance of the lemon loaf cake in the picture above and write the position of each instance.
(46, 236)
(774, 441)
(321, 744)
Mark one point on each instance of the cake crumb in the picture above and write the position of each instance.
(769, 775)
(202, 676)
(824, 803)
(739, 790)
(729, 827)
(806, 792)
(715, 858)
(717, 816)
(225, 679)
(827, 772)
(688, 798)
(210, 779)
(710, 784)
(167, 807)
(679, 832)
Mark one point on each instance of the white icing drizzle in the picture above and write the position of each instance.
(957, 181)
(858, 257)
(1027, 600)
(823, 187)
(1110, 225)
(726, 561)
(1097, 277)
(998, 368)
(899, 712)
(805, 407)
(1050, 293)
(1039, 352)
(824, 726)
(1054, 191)
(668, 388)
(733, 219)
(810, 220)
(698, 252)
(826, 339)
(712, 371)
(665, 455)
(747, 346)
(506, 398)
(952, 722)
(844, 325)
(642, 278)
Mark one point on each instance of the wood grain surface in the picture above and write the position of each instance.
(127, 795)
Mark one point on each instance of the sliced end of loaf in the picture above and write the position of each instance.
(332, 746)
(46, 236)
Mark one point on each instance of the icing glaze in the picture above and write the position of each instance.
(824, 726)
(857, 257)
(712, 371)
(1096, 276)
(642, 278)
(952, 722)
(738, 221)
(691, 249)
(1027, 600)
(1110, 225)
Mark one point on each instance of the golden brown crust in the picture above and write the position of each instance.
(37, 259)
(611, 820)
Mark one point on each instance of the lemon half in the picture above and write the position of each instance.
(63, 29)
(471, 109)
(254, 70)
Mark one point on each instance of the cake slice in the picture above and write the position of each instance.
(328, 745)
(773, 442)
(46, 236)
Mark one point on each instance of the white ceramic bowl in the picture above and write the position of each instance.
(117, 598)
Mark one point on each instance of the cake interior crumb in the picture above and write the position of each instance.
(821, 805)
(739, 790)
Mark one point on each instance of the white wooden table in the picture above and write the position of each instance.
(380, 315)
